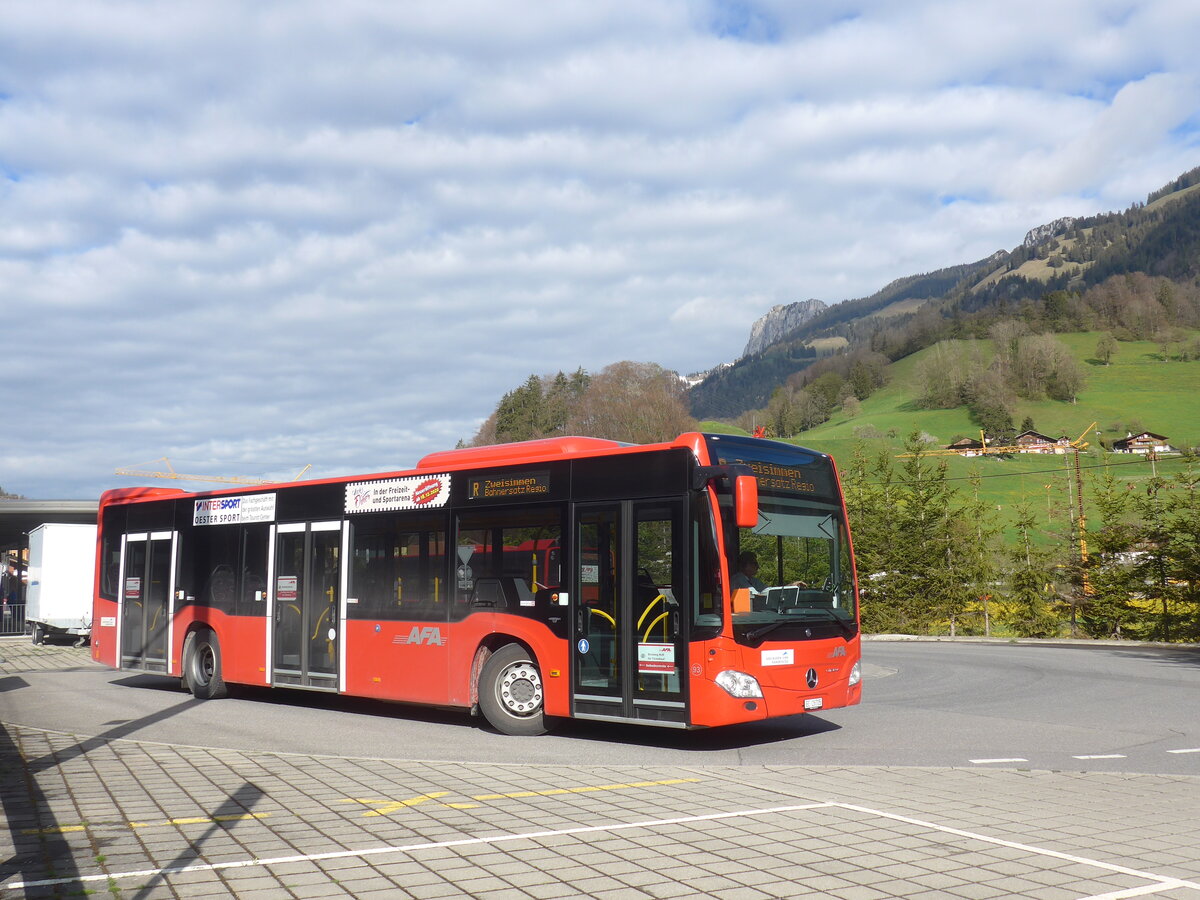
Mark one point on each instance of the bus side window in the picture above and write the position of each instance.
(516, 550)
(399, 570)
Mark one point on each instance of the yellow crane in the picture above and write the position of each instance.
(986, 449)
(170, 472)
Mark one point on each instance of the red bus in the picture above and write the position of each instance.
(568, 577)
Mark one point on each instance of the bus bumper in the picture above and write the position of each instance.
(781, 693)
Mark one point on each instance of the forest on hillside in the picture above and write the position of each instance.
(1023, 358)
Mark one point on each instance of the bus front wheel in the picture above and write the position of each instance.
(202, 667)
(510, 692)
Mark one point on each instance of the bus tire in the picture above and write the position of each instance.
(202, 667)
(510, 692)
(39, 634)
(189, 643)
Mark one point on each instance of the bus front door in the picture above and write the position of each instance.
(307, 592)
(628, 656)
(147, 587)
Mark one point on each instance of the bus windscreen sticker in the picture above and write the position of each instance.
(419, 492)
(235, 510)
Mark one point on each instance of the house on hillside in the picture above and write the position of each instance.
(967, 446)
(1145, 442)
(1035, 442)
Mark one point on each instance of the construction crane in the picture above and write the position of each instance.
(985, 449)
(171, 473)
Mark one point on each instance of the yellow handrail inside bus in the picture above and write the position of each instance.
(600, 612)
(650, 606)
(320, 619)
(662, 617)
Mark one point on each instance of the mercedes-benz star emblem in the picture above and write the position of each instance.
(810, 678)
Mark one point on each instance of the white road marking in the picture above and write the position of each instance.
(1159, 882)
(1103, 756)
(1189, 750)
(410, 848)
(1001, 759)
(1164, 881)
(1142, 891)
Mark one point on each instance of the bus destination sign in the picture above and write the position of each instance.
(774, 477)
(779, 478)
(234, 510)
(523, 484)
(419, 492)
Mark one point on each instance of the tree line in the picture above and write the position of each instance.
(635, 402)
(931, 559)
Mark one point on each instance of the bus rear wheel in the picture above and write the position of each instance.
(510, 692)
(202, 667)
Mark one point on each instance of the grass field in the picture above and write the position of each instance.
(1138, 391)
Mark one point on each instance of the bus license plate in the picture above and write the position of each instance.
(813, 703)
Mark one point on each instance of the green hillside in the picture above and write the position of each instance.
(1137, 391)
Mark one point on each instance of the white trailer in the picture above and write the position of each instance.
(58, 597)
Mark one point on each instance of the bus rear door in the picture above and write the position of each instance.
(307, 602)
(146, 599)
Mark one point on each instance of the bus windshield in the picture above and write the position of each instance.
(795, 567)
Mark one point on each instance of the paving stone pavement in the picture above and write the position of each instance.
(142, 820)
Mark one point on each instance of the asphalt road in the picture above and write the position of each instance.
(1126, 708)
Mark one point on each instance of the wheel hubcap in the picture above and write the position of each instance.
(520, 689)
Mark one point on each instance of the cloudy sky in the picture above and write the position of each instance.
(255, 236)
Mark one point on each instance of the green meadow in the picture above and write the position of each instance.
(1139, 390)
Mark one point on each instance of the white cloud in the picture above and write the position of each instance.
(252, 237)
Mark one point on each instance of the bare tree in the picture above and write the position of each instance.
(641, 403)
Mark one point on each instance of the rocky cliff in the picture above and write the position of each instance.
(1043, 233)
(779, 322)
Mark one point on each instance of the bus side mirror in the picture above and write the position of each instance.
(745, 493)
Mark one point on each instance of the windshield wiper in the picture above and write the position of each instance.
(846, 626)
(755, 638)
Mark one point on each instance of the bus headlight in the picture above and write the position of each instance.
(739, 684)
(856, 674)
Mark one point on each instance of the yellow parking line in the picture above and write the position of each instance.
(585, 790)
(61, 829)
(200, 820)
(387, 807)
(192, 820)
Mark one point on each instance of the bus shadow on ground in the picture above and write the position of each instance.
(702, 740)
(727, 737)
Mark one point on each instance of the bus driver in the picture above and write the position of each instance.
(747, 574)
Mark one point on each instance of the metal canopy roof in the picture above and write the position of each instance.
(19, 517)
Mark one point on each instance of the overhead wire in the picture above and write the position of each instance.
(1056, 471)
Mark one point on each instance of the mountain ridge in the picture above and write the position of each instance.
(1160, 237)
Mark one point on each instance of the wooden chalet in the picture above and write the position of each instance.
(1144, 442)
(1036, 442)
(967, 446)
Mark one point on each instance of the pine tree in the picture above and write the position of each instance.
(975, 531)
(1107, 610)
(868, 485)
(1030, 597)
(918, 580)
